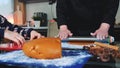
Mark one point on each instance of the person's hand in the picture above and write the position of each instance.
(102, 32)
(14, 36)
(64, 32)
(34, 35)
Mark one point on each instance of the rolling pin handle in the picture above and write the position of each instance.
(108, 40)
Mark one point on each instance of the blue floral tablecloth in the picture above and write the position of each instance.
(70, 59)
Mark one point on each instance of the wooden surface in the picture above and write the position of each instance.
(81, 42)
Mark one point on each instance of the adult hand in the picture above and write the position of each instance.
(35, 34)
(14, 36)
(64, 32)
(102, 32)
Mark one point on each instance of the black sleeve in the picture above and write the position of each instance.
(1, 33)
(61, 12)
(4, 24)
(112, 8)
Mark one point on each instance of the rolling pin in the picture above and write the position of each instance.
(109, 39)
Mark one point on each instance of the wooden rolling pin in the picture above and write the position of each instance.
(106, 45)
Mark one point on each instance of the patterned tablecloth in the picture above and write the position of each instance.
(70, 59)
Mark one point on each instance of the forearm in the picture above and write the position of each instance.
(7, 25)
(61, 13)
(109, 16)
(24, 32)
(1, 33)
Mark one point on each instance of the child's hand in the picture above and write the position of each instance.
(35, 34)
(14, 36)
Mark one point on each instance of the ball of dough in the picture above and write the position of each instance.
(43, 48)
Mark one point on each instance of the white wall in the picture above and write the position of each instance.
(6, 7)
(40, 7)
